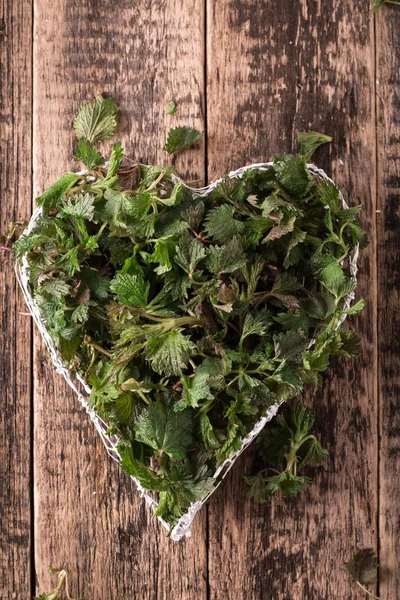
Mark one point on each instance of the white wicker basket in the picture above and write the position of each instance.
(182, 528)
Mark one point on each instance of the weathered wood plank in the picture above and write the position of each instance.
(15, 328)
(271, 71)
(89, 517)
(388, 222)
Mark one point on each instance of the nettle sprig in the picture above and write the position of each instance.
(288, 443)
(189, 316)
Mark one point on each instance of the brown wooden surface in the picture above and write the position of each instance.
(251, 74)
(388, 240)
(15, 329)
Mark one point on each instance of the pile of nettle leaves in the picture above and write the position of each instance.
(190, 316)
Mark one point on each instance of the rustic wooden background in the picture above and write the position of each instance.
(249, 74)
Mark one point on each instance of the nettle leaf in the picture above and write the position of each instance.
(329, 195)
(180, 138)
(192, 485)
(258, 488)
(280, 230)
(297, 320)
(221, 225)
(285, 443)
(80, 205)
(169, 353)
(165, 430)
(69, 262)
(275, 204)
(292, 173)
(114, 204)
(171, 107)
(123, 407)
(144, 227)
(363, 567)
(132, 466)
(256, 324)
(286, 483)
(329, 272)
(177, 284)
(163, 250)
(96, 119)
(131, 290)
(57, 190)
(138, 205)
(298, 237)
(88, 155)
(210, 440)
(285, 284)
(189, 253)
(81, 313)
(356, 308)
(169, 506)
(195, 388)
(96, 283)
(115, 163)
(310, 141)
(226, 259)
(55, 287)
(27, 242)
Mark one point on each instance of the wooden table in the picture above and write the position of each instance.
(249, 74)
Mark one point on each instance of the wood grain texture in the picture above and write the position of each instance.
(306, 65)
(15, 329)
(388, 239)
(88, 516)
(312, 64)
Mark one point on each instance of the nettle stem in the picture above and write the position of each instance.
(92, 344)
(156, 182)
(172, 323)
(357, 582)
(263, 297)
(291, 456)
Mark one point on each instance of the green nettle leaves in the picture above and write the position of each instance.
(189, 253)
(195, 388)
(88, 155)
(221, 225)
(292, 174)
(226, 259)
(131, 290)
(96, 120)
(57, 191)
(310, 141)
(170, 352)
(171, 108)
(287, 444)
(165, 430)
(180, 138)
(190, 316)
(82, 205)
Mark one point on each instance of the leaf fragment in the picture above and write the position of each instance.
(180, 138)
(96, 120)
(165, 430)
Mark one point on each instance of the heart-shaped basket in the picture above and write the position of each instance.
(75, 381)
